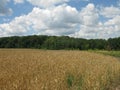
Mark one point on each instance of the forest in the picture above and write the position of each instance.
(59, 42)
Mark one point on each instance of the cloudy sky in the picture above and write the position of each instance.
(75, 18)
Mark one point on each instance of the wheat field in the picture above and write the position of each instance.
(30, 69)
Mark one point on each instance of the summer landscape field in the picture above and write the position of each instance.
(34, 69)
(59, 44)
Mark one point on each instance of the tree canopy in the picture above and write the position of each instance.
(59, 42)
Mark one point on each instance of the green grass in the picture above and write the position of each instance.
(111, 53)
(74, 82)
(70, 80)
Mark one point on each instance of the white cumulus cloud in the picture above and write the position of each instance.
(43, 3)
(93, 27)
(64, 20)
(89, 15)
(110, 12)
(61, 20)
(90, 22)
(47, 3)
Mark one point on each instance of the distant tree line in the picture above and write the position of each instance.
(59, 42)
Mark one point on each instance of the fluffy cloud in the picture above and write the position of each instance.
(113, 26)
(92, 27)
(19, 26)
(89, 15)
(46, 3)
(110, 12)
(3, 9)
(43, 3)
(113, 21)
(64, 20)
(55, 21)
(90, 22)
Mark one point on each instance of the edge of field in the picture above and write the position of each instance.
(115, 54)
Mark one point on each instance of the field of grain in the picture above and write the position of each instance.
(27, 69)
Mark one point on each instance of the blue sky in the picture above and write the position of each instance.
(75, 18)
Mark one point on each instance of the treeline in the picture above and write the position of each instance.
(59, 42)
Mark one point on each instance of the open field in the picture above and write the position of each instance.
(27, 69)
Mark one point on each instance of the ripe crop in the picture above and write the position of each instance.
(29, 69)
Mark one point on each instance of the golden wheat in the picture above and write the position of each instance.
(26, 69)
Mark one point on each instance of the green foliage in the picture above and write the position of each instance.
(70, 80)
(80, 83)
(59, 42)
(74, 82)
(114, 43)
